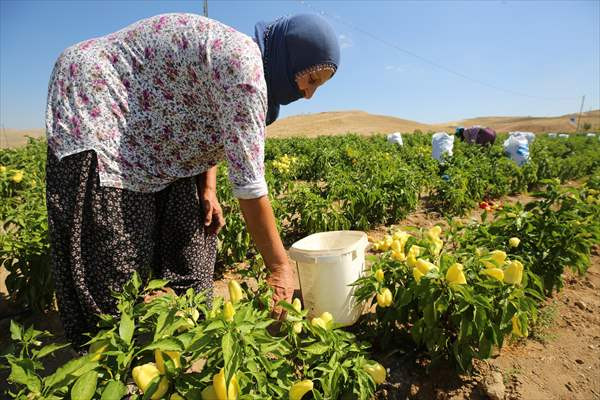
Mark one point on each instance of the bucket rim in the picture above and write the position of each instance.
(361, 238)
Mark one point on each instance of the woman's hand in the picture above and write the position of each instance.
(213, 214)
(260, 221)
(281, 279)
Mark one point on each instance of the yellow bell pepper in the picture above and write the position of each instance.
(398, 256)
(417, 274)
(379, 275)
(514, 242)
(517, 329)
(386, 243)
(160, 361)
(297, 327)
(297, 304)
(97, 348)
(190, 322)
(231, 393)
(143, 375)
(401, 237)
(455, 274)
(434, 233)
(414, 252)
(228, 311)
(176, 396)
(425, 266)
(18, 176)
(326, 316)
(376, 371)
(438, 244)
(498, 256)
(496, 273)
(514, 273)
(318, 322)
(299, 389)
(384, 298)
(235, 291)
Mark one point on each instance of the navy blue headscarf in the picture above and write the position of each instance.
(290, 45)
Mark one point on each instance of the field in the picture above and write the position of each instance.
(476, 268)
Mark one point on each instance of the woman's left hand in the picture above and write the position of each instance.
(213, 214)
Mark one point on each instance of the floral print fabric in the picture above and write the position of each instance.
(100, 235)
(165, 98)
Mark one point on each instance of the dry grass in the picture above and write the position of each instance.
(335, 123)
(16, 137)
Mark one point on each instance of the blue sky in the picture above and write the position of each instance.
(533, 57)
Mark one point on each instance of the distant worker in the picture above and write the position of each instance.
(476, 134)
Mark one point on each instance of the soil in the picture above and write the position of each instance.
(561, 361)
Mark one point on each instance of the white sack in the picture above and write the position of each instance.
(441, 144)
(517, 147)
(395, 138)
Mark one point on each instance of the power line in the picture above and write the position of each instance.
(425, 60)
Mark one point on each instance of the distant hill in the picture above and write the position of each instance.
(536, 124)
(339, 122)
(18, 137)
(360, 122)
(334, 123)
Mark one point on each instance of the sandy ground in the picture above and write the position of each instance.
(360, 122)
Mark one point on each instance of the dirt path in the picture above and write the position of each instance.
(565, 362)
(562, 362)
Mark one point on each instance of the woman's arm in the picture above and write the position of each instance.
(260, 221)
(208, 180)
(206, 183)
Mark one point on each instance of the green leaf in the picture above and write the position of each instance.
(165, 344)
(114, 390)
(51, 348)
(156, 284)
(316, 348)
(23, 374)
(232, 354)
(85, 386)
(16, 330)
(69, 372)
(126, 328)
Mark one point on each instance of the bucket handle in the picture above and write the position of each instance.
(303, 258)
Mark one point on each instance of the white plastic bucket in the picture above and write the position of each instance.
(328, 263)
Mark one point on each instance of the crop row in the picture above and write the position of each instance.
(322, 184)
(457, 294)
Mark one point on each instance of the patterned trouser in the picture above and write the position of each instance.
(100, 235)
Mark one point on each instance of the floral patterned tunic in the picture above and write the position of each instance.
(165, 98)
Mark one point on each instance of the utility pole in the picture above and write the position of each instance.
(579, 116)
(205, 7)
